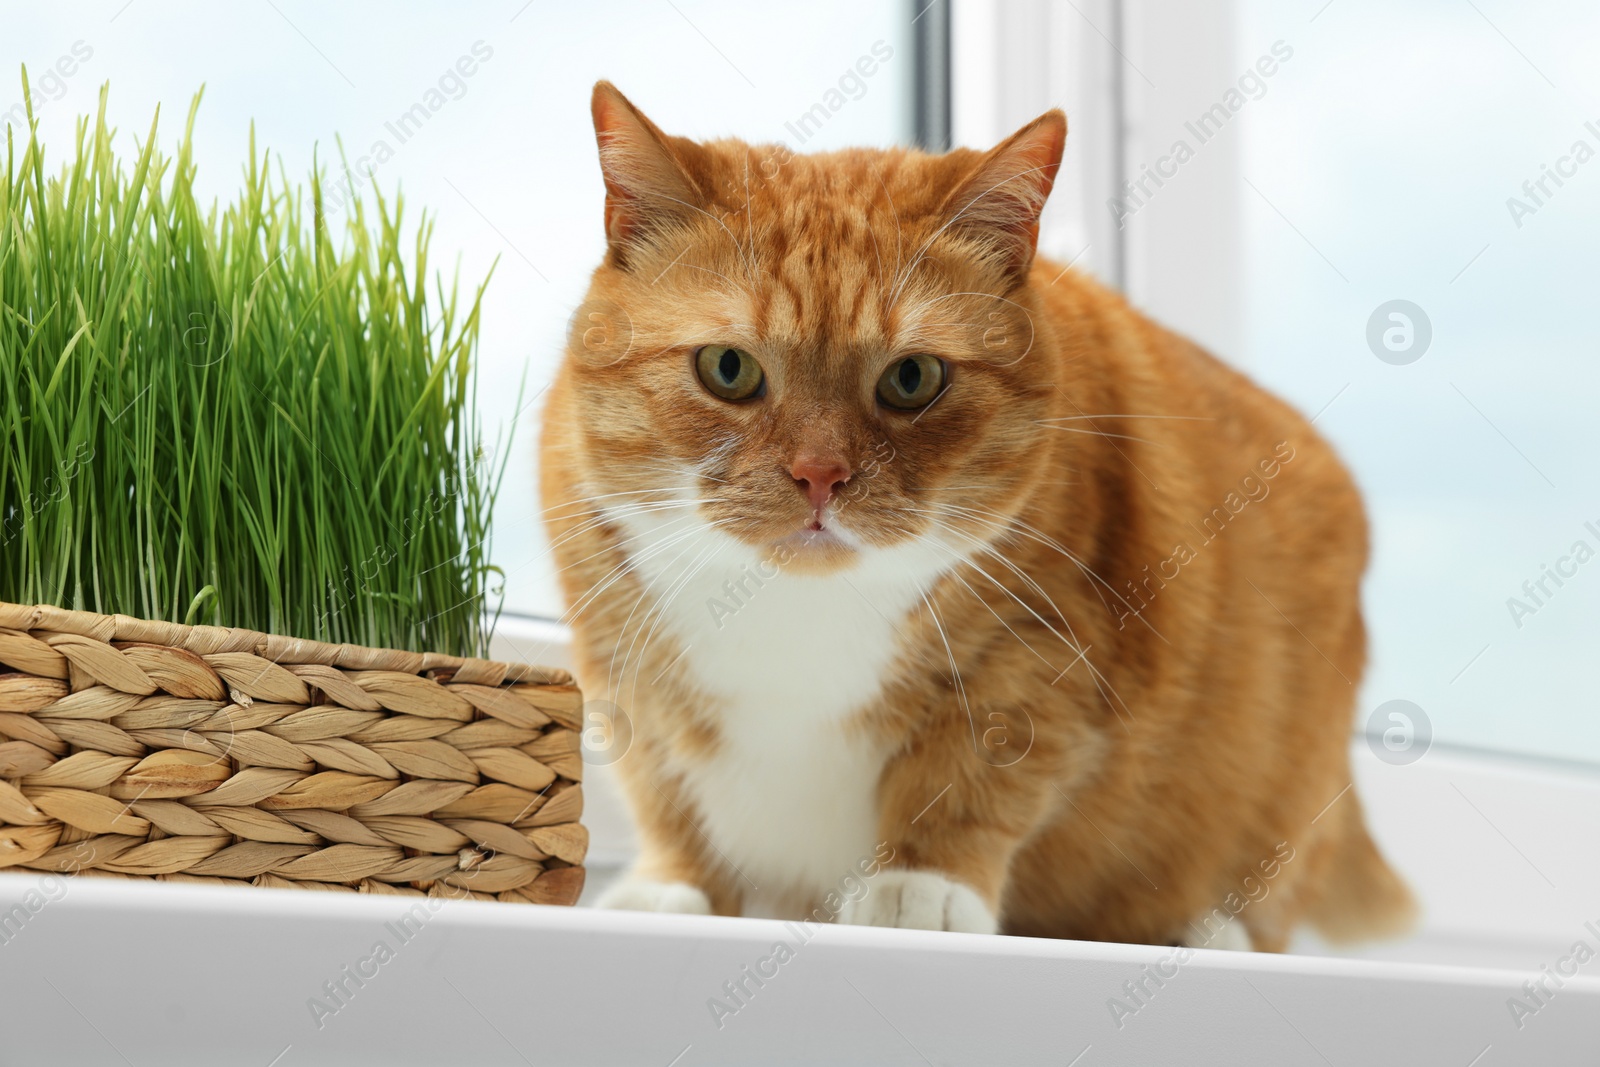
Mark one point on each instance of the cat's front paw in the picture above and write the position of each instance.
(637, 894)
(920, 900)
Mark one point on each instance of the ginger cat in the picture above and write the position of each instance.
(942, 589)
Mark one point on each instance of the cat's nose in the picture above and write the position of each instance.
(819, 478)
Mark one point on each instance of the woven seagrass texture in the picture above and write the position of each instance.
(131, 748)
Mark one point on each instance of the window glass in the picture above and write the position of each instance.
(1419, 272)
(480, 114)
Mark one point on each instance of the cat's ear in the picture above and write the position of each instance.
(647, 185)
(999, 203)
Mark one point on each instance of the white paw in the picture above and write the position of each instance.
(632, 894)
(1208, 932)
(920, 900)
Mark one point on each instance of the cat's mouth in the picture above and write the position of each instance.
(820, 546)
(817, 535)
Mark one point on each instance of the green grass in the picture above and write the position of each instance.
(228, 416)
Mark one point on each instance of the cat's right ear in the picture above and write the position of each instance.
(648, 188)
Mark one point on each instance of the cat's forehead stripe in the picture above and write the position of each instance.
(833, 253)
(819, 241)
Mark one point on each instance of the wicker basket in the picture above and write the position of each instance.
(198, 754)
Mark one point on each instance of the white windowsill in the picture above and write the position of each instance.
(177, 974)
(1480, 836)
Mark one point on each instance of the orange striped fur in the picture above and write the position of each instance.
(1075, 650)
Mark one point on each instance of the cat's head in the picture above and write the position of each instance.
(816, 355)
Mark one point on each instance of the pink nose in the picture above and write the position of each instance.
(819, 479)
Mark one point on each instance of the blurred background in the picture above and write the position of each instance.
(1385, 211)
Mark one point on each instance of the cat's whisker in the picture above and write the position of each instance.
(951, 221)
(1080, 418)
(606, 496)
(619, 674)
(744, 254)
(872, 231)
(1073, 644)
(634, 537)
(603, 516)
(1102, 684)
(711, 333)
(616, 644)
(593, 596)
(657, 611)
(1070, 639)
(554, 511)
(681, 471)
(589, 524)
(731, 283)
(645, 507)
(1095, 433)
(597, 517)
(628, 564)
(1079, 653)
(612, 676)
(685, 471)
(955, 671)
(714, 551)
(1033, 332)
(899, 244)
(956, 574)
(749, 236)
(1033, 533)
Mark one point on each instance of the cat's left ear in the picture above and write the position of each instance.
(999, 203)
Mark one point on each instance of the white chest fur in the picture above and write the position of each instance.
(789, 797)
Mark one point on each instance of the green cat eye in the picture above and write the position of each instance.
(912, 382)
(731, 373)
